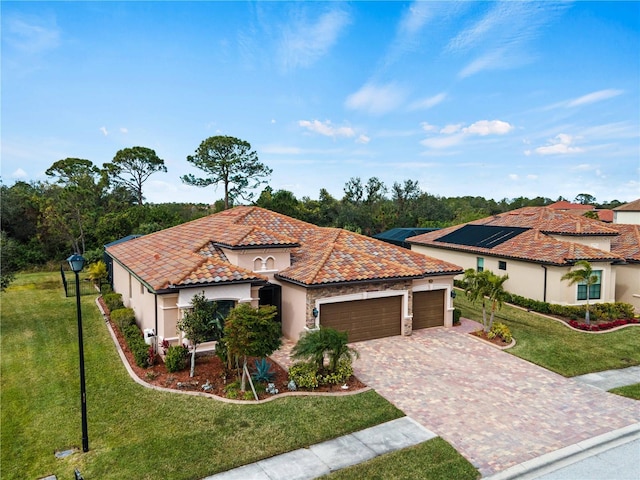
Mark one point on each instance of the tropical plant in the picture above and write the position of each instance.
(98, 272)
(483, 286)
(200, 324)
(583, 276)
(263, 372)
(313, 346)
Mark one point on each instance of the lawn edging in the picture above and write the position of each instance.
(141, 382)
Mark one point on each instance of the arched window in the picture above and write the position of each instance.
(271, 263)
(258, 264)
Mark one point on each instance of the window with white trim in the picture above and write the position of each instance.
(479, 264)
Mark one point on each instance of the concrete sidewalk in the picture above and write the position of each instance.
(326, 457)
(611, 378)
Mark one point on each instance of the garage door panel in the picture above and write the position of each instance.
(428, 309)
(364, 319)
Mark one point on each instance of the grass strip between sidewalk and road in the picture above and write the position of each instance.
(629, 391)
(434, 459)
(135, 432)
(556, 347)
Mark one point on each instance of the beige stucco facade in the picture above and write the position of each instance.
(626, 216)
(628, 284)
(528, 279)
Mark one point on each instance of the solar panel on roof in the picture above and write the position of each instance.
(485, 236)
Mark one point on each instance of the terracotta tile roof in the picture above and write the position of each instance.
(548, 220)
(534, 244)
(627, 244)
(564, 205)
(605, 215)
(630, 207)
(190, 253)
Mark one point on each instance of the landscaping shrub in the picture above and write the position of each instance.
(176, 358)
(313, 346)
(135, 342)
(602, 326)
(500, 330)
(457, 313)
(304, 374)
(123, 317)
(113, 301)
(341, 374)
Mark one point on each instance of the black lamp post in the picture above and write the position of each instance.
(76, 262)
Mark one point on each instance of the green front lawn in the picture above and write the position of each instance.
(550, 344)
(134, 432)
(630, 391)
(431, 460)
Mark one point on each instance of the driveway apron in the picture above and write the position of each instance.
(496, 409)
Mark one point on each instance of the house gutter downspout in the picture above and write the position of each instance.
(544, 291)
(155, 301)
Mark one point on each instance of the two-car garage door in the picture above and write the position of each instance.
(364, 319)
(382, 317)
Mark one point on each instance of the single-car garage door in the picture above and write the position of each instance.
(364, 319)
(428, 309)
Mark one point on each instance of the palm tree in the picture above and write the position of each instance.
(584, 276)
(496, 293)
(483, 285)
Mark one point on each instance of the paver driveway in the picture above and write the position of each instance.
(494, 408)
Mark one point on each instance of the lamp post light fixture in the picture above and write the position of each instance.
(76, 262)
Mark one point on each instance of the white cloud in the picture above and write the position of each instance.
(429, 102)
(326, 128)
(489, 127)
(303, 42)
(104, 131)
(376, 99)
(363, 139)
(415, 17)
(124, 130)
(32, 36)
(501, 35)
(532, 176)
(594, 97)
(513, 176)
(427, 127)
(454, 133)
(19, 173)
(452, 128)
(559, 145)
(443, 142)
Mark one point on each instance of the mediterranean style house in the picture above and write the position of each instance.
(314, 276)
(536, 246)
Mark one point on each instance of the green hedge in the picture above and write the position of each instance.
(597, 311)
(137, 345)
(123, 317)
(113, 301)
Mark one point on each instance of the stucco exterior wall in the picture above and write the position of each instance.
(602, 243)
(168, 317)
(528, 279)
(266, 261)
(293, 310)
(628, 284)
(622, 216)
(135, 296)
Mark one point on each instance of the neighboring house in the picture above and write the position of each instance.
(604, 215)
(398, 236)
(315, 276)
(536, 246)
(629, 213)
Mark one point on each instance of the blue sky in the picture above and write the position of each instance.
(496, 99)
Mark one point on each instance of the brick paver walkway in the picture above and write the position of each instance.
(494, 408)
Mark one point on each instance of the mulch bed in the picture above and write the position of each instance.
(210, 369)
(496, 340)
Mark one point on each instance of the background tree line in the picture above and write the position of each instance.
(82, 207)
